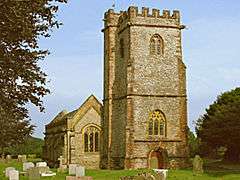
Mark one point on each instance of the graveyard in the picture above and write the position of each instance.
(212, 171)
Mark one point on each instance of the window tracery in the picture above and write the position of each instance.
(156, 123)
(91, 139)
(156, 45)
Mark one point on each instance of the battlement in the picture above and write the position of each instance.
(133, 12)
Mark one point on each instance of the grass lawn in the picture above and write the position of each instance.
(215, 171)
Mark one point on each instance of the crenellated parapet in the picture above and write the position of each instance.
(134, 16)
(155, 13)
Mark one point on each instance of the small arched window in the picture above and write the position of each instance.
(91, 139)
(156, 123)
(156, 45)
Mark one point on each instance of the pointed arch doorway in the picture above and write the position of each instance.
(158, 159)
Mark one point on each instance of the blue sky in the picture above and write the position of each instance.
(75, 67)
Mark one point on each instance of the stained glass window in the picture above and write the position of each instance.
(156, 123)
(91, 139)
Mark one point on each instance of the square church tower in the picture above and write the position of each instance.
(145, 113)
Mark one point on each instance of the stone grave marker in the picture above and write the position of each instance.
(72, 169)
(80, 171)
(42, 169)
(41, 164)
(13, 175)
(27, 165)
(62, 167)
(197, 165)
(33, 173)
(8, 157)
(7, 170)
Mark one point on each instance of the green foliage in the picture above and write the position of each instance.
(32, 146)
(220, 125)
(22, 23)
(193, 144)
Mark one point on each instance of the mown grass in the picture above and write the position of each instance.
(214, 171)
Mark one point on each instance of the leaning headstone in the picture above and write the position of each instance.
(7, 170)
(13, 175)
(33, 173)
(41, 164)
(80, 171)
(197, 165)
(27, 165)
(72, 169)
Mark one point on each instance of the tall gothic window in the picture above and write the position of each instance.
(156, 45)
(91, 139)
(156, 123)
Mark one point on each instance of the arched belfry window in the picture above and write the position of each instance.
(156, 45)
(91, 137)
(156, 123)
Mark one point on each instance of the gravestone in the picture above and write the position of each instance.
(62, 167)
(33, 173)
(7, 170)
(41, 164)
(24, 158)
(8, 158)
(72, 169)
(13, 175)
(27, 165)
(197, 165)
(42, 169)
(80, 171)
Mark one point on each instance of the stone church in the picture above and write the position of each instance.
(143, 120)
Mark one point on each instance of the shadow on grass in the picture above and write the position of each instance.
(219, 169)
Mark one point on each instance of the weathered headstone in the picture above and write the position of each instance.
(27, 165)
(33, 173)
(8, 157)
(197, 165)
(62, 167)
(13, 175)
(72, 169)
(80, 171)
(24, 158)
(41, 164)
(154, 162)
(42, 169)
(7, 170)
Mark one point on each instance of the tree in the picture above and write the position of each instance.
(220, 125)
(22, 23)
(193, 144)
